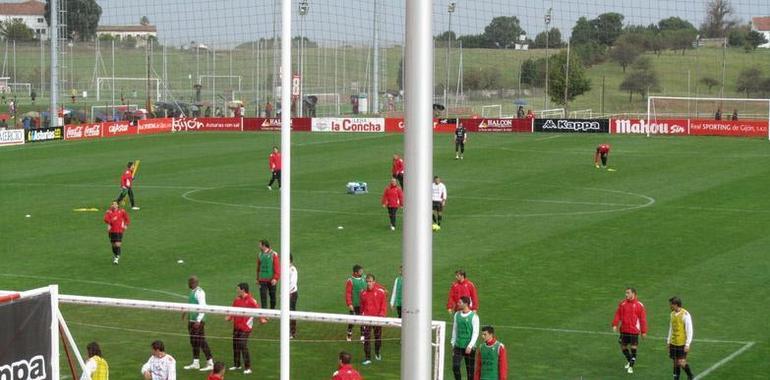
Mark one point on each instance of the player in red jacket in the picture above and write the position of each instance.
(632, 318)
(242, 327)
(275, 168)
(393, 199)
(117, 222)
(602, 152)
(463, 287)
(127, 185)
(374, 303)
(345, 370)
(397, 169)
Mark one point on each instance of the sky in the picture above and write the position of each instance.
(226, 23)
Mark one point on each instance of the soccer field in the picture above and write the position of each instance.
(550, 241)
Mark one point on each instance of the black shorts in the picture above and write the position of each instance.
(116, 237)
(438, 206)
(676, 352)
(628, 339)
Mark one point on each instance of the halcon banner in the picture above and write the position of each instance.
(25, 339)
(572, 125)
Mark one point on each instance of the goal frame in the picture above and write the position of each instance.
(99, 81)
(651, 115)
(23, 85)
(499, 108)
(550, 113)
(336, 96)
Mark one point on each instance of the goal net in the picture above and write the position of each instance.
(133, 89)
(126, 325)
(663, 107)
(495, 110)
(326, 104)
(554, 112)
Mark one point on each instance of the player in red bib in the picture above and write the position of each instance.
(126, 186)
(397, 169)
(602, 152)
(117, 222)
(275, 168)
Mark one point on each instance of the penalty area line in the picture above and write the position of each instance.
(725, 360)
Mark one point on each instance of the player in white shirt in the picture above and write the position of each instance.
(293, 295)
(438, 191)
(160, 366)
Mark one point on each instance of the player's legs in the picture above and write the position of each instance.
(686, 366)
(604, 159)
(470, 363)
(398, 310)
(400, 179)
(123, 193)
(462, 148)
(245, 349)
(633, 354)
(457, 359)
(202, 343)
(392, 216)
(377, 340)
(236, 349)
(271, 291)
(131, 197)
(194, 341)
(457, 149)
(293, 306)
(357, 310)
(263, 293)
(367, 334)
(116, 242)
(350, 326)
(278, 175)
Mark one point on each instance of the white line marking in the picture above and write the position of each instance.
(92, 282)
(101, 185)
(724, 361)
(548, 138)
(589, 332)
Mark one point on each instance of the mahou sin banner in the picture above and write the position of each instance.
(654, 127)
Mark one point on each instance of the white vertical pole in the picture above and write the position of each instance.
(286, 183)
(418, 153)
(54, 307)
(214, 81)
(113, 80)
(375, 103)
(54, 27)
(42, 66)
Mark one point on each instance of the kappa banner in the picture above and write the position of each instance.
(25, 338)
(348, 125)
(231, 124)
(656, 127)
(11, 137)
(572, 125)
(739, 128)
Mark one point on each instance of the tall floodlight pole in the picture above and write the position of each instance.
(375, 63)
(286, 185)
(417, 252)
(547, 24)
(450, 10)
(304, 8)
(54, 21)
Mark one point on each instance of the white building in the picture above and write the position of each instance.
(30, 12)
(119, 32)
(762, 25)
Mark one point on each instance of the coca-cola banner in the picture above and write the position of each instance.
(83, 131)
(348, 125)
(118, 128)
(298, 124)
(219, 124)
(654, 127)
(25, 338)
(152, 126)
(572, 125)
(747, 128)
(497, 125)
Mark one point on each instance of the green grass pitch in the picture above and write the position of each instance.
(550, 241)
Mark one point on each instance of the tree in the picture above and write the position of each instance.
(717, 18)
(503, 31)
(608, 27)
(582, 32)
(16, 30)
(487, 78)
(674, 23)
(625, 53)
(749, 80)
(578, 81)
(754, 39)
(144, 21)
(533, 72)
(679, 39)
(709, 82)
(554, 39)
(82, 18)
(476, 41)
(590, 53)
(642, 79)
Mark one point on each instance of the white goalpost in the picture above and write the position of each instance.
(494, 110)
(112, 81)
(553, 112)
(326, 100)
(673, 107)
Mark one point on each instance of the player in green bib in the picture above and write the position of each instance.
(465, 332)
(196, 327)
(395, 296)
(491, 359)
(354, 285)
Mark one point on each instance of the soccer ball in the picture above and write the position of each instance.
(436, 227)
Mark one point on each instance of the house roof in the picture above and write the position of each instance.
(27, 8)
(126, 28)
(761, 24)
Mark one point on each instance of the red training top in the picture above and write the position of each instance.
(398, 166)
(244, 323)
(127, 178)
(374, 302)
(214, 376)
(464, 288)
(632, 317)
(346, 372)
(117, 220)
(349, 290)
(603, 149)
(275, 161)
(393, 196)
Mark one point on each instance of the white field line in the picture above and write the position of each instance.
(725, 360)
(548, 138)
(93, 282)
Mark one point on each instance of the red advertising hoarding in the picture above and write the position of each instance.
(215, 124)
(298, 124)
(152, 126)
(83, 131)
(655, 127)
(120, 128)
(497, 125)
(747, 128)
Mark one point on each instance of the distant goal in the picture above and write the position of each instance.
(669, 107)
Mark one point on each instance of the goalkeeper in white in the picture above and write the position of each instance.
(160, 366)
(438, 195)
